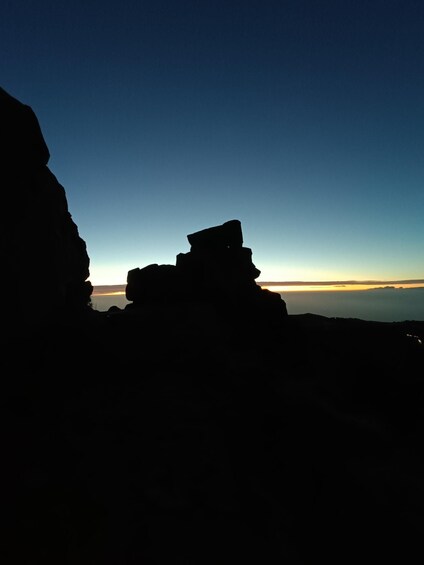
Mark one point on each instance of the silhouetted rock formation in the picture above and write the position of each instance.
(163, 435)
(42, 253)
(217, 270)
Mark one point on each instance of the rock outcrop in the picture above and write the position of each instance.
(42, 253)
(217, 270)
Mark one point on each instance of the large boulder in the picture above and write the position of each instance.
(45, 261)
(228, 234)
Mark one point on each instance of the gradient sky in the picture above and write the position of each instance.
(302, 119)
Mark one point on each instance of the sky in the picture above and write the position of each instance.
(304, 119)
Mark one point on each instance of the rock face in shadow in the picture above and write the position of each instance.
(217, 271)
(145, 436)
(42, 253)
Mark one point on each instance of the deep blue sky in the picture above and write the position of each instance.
(303, 119)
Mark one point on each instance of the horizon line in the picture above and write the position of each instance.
(342, 282)
(120, 288)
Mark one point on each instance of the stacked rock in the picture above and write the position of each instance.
(217, 269)
(217, 263)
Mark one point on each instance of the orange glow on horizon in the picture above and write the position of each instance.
(106, 293)
(336, 287)
(119, 290)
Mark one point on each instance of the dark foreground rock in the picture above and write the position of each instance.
(161, 435)
(41, 252)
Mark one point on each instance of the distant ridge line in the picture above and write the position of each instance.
(335, 283)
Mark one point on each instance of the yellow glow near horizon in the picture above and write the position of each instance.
(106, 293)
(337, 287)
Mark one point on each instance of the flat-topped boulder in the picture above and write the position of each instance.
(228, 234)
